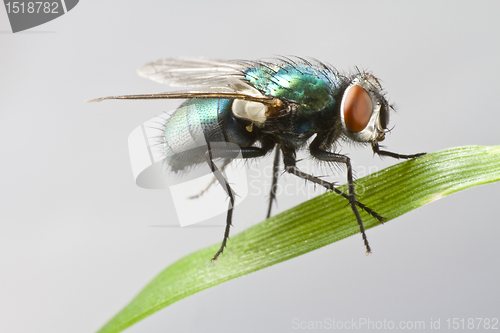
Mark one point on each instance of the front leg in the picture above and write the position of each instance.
(378, 151)
(333, 157)
(290, 167)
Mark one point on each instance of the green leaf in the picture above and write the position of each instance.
(314, 224)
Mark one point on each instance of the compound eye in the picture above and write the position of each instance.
(358, 108)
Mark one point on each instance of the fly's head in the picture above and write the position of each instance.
(364, 111)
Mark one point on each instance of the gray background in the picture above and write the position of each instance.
(78, 239)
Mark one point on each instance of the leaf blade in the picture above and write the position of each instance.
(316, 223)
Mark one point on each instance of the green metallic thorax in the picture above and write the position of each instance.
(312, 89)
(315, 92)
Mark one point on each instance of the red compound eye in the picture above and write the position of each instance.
(358, 109)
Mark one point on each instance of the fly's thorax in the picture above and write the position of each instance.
(364, 111)
(309, 94)
(311, 88)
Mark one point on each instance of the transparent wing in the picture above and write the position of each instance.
(212, 79)
(183, 72)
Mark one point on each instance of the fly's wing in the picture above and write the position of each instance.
(181, 72)
(210, 79)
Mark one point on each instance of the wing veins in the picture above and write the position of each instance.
(271, 101)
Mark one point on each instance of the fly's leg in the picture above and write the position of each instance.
(212, 181)
(378, 151)
(367, 209)
(330, 157)
(272, 195)
(225, 185)
(249, 152)
(316, 151)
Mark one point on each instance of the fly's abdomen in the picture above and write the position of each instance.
(194, 123)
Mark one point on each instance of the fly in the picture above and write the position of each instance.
(253, 107)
